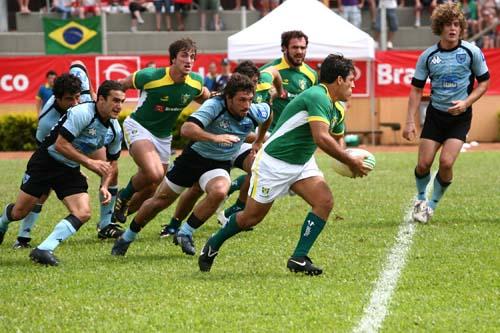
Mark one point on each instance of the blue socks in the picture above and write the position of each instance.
(440, 187)
(107, 210)
(186, 229)
(27, 224)
(63, 230)
(131, 233)
(422, 181)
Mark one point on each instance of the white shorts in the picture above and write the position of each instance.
(272, 178)
(133, 131)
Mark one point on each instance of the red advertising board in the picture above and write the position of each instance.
(21, 77)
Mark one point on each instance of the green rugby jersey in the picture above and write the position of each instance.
(295, 81)
(263, 89)
(292, 139)
(162, 100)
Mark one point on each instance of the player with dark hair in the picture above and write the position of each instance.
(297, 76)
(66, 94)
(56, 165)
(452, 66)
(217, 131)
(286, 162)
(165, 92)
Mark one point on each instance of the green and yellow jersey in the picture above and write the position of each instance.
(295, 81)
(162, 100)
(292, 139)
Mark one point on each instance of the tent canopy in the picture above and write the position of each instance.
(327, 33)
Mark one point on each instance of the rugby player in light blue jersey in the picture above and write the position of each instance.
(453, 65)
(66, 94)
(55, 165)
(217, 130)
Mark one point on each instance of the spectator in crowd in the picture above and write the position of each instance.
(181, 8)
(64, 7)
(351, 11)
(211, 76)
(45, 91)
(116, 6)
(221, 80)
(136, 7)
(392, 20)
(250, 5)
(267, 6)
(470, 9)
(23, 6)
(372, 6)
(89, 7)
(419, 7)
(214, 7)
(487, 21)
(167, 7)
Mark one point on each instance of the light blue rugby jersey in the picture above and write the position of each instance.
(51, 112)
(81, 73)
(84, 128)
(214, 117)
(452, 72)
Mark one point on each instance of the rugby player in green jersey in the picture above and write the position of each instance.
(297, 76)
(286, 162)
(165, 92)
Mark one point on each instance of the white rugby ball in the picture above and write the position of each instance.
(343, 170)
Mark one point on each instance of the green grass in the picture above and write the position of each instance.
(450, 283)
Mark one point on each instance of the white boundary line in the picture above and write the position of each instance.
(376, 311)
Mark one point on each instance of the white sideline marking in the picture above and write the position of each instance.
(376, 311)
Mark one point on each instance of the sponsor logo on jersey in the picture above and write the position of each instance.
(461, 57)
(92, 131)
(436, 60)
(164, 99)
(159, 108)
(450, 82)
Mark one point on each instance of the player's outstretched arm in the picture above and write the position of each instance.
(409, 130)
(323, 139)
(65, 147)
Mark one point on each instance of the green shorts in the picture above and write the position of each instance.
(209, 5)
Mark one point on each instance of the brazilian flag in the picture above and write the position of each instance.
(72, 36)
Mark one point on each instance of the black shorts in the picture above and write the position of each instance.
(190, 166)
(238, 162)
(440, 126)
(44, 173)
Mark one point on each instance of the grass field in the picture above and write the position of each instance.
(450, 283)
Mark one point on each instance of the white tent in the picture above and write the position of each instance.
(327, 33)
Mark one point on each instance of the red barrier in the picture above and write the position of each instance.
(21, 77)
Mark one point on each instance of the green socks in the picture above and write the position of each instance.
(311, 229)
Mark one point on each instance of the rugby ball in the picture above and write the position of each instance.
(343, 170)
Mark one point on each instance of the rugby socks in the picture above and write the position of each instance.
(236, 207)
(422, 181)
(311, 229)
(127, 192)
(230, 229)
(62, 231)
(131, 233)
(6, 218)
(191, 225)
(440, 187)
(236, 184)
(107, 210)
(28, 223)
(175, 223)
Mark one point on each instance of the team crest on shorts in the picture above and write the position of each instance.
(264, 191)
(461, 57)
(26, 177)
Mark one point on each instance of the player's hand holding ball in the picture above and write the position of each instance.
(364, 162)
